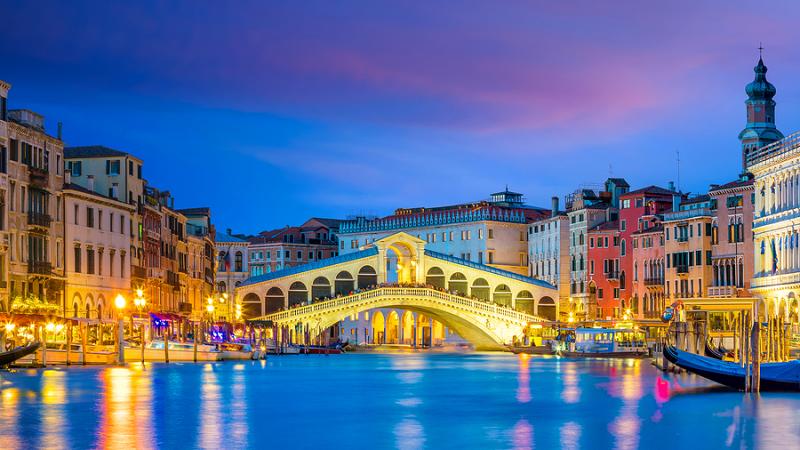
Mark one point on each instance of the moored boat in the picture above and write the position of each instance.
(178, 351)
(602, 343)
(56, 353)
(236, 351)
(16, 353)
(532, 350)
(778, 376)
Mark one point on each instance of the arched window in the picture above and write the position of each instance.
(238, 262)
(622, 248)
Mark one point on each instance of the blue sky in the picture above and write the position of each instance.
(273, 112)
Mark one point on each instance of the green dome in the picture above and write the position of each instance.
(760, 88)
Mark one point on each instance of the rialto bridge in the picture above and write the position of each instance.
(483, 304)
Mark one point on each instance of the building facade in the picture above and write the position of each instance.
(548, 253)
(98, 241)
(687, 238)
(285, 247)
(35, 209)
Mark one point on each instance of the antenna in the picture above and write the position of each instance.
(610, 171)
(678, 162)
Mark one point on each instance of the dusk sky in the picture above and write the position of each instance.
(273, 112)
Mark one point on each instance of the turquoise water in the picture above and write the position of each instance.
(388, 401)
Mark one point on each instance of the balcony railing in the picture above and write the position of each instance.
(722, 291)
(653, 281)
(37, 176)
(39, 219)
(612, 275)
(138, 272)
(40, 268)
(682, 239)
(682, 268)
(184, 307)
(687, 214)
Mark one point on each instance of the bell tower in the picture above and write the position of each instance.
(760, 129)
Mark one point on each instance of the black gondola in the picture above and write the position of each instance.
(14, 354)
(783, 376)
(712, 352)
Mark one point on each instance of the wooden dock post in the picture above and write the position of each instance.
(84, 342)
(69, 342)
(166, 344)
(194, 334)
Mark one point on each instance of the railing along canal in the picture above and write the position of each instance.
(444, 298)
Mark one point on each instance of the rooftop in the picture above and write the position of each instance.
(92, 151)
(652, 189)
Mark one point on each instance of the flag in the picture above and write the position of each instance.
(228, 260)
(774, 257)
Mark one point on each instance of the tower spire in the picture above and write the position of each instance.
(760, 129)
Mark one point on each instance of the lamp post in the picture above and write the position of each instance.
(120, 302)
(140, 304)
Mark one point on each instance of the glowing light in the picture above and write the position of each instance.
(50, 326)
(59, 327)
(10, 327)
(139, 293)
(119, 301)
(210, 300)
(210, 308)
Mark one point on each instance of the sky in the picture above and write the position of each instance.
(274, 112)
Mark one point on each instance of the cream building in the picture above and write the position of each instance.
(4, 88)
(548, 252)
(98, 240)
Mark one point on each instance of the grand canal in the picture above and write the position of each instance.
(384, 401)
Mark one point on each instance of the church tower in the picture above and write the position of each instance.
(760, 129)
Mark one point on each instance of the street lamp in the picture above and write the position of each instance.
(120, 302)
(139, 302)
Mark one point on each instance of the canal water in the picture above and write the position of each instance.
(416, 400)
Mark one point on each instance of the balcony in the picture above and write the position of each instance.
(654, 281)
(682, 268)
(138, 272)
(687, 214)
(612, 275)
(39, 268)
(682, 239)
(185, 307)
(38, 177)
(39, 219)
(722, 291)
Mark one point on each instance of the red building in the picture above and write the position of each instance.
(637, 211)
(604, 264)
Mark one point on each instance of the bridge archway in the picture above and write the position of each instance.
(546, 308)
(401, 258)
(378, 327)
(367, 277)
(274, 300)
(298, 294)
(393, 328)
(525, 303)
(251, 306)
(458, 283)
(435, 277)
(320, 288)
(407, 328)
(502, 295)
(481, 289)
(344, 283)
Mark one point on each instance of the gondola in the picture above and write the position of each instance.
(712, 352)
(14, 354)
(780, 376)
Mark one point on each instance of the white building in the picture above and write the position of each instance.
(548, 252)
(233, 258)
(98, 241)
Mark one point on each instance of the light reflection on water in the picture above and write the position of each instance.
(387, 401)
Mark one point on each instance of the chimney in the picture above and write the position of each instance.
(90, 182)
(671, 186)
(60, 129)
(67, 176)
(554, 206)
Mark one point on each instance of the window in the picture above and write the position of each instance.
(90, 261)
(112, 167)
(480, 233)
(490, 233)
(76, 168)
(90, 217)
(130, 168)
(626, 204)
(622, 224)
(591, 242)
(77, 259)
(99, 219)
(122, 224)
(237, 265)
(622, 248)
(3, 159)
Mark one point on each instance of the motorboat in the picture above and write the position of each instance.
(178, 351)
(16, 353)
(601, 342)
(777, 376)
(236, 351)
(57, 354)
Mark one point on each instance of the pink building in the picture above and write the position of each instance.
(604, 273)
(647, 282)
(732, 238)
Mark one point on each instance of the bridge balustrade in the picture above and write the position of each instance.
(444, 298)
